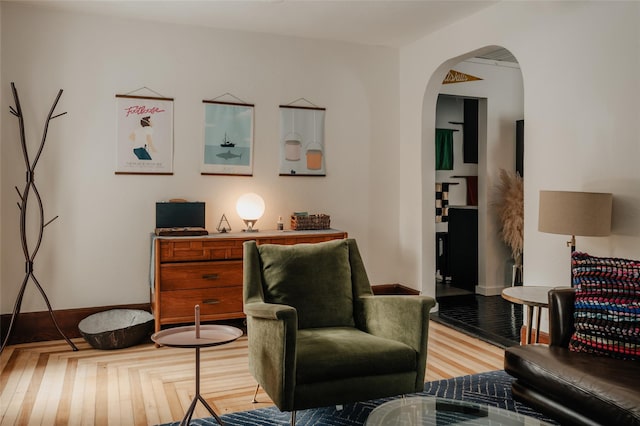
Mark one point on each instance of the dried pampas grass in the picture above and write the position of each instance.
(510, 209)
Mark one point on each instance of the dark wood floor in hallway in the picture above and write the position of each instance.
(489, 318)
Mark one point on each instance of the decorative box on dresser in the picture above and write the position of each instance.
(207, 271)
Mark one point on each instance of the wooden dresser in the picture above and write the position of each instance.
(207, 271)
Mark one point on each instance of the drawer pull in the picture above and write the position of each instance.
(210, 301)
(210, 277)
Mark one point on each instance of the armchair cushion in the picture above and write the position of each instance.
(315, 279)
(336, 353)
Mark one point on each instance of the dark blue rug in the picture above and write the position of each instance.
(493, 388)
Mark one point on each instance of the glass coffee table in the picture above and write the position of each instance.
(429, 410)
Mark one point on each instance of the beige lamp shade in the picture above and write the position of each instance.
(586, 214)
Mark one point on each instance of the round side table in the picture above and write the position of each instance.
(185, 337)
(534, 298)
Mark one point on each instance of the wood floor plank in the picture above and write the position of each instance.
(102, 389)
(51, 390)
(14, 386)
(14, 394)
(89, 407)
(36, 412)
(47, 383)
(64, 406)
(137, 400)
(5, 357)
(77, 389)
(148, 396)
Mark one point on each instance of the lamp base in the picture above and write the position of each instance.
(572, 246)
(250, 225)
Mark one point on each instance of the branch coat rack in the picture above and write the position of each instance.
(31, 188)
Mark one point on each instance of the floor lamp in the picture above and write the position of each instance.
(586, 214)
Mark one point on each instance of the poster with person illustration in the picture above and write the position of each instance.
(144, 135)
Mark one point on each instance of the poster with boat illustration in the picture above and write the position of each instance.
(228, 139)
(144, 135)
(302, 151)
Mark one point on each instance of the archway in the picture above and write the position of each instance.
(499, 94)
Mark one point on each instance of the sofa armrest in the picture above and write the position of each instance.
(561, 308)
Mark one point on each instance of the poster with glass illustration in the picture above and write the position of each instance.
(228, 139)
(144, 135)
(302, 151)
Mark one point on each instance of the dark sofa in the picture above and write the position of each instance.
(573, 388)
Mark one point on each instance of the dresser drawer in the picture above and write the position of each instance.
(180, 276)
(187, 250)
(179, 306)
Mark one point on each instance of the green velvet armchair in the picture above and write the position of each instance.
(317, 334)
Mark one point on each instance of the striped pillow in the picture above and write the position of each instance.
(607, 306)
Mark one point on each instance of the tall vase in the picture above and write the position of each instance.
(516, 275)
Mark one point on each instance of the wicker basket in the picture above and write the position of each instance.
(312, 221)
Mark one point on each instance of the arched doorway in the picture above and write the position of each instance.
(484, 78)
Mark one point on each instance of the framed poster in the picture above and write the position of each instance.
(144, 135)
(228, 139)
(302, 151)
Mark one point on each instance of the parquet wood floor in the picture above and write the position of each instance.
(46, 383)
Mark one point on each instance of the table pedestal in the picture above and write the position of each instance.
(197, 397)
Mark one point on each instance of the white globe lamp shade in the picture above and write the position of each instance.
(250, 208)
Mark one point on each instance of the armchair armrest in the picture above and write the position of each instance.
(272, 330)
(271, 311)
(401, 318)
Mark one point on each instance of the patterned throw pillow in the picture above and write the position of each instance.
(607, 306)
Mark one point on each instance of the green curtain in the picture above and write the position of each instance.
(444, 149)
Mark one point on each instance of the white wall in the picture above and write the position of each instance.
(97, 252)
(580, 63)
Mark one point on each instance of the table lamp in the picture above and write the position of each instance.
(586, 214)
(250, 208)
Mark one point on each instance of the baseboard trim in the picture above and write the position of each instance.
(38, 326)
(489, 291)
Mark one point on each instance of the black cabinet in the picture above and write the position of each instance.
(520, 147)
(463, 247)
(470, 131)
